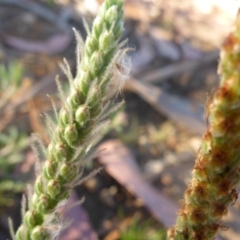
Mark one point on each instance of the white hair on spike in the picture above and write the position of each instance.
(54, 107)
(10, 224)
(111, 110)
(90, 175)
(67, 71)
(23, 206)
(80, 46)
(124, 67)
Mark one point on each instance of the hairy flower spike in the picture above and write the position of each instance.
(77, 122)
(216, 170)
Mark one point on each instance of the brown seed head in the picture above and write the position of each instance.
(207, 135)
(220, 158)
(228, 125)
(224, 93)
(196, 216)
(235, 144)
(199, 170)
(171, 233)
(229, 42)
(218, 210)
(199, 191)
(223, 187)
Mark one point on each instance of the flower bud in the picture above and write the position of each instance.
(98, 26)
(64, 117)
(39, 233)
(106, 41)
(44, 204)
(95, 97)
(32, 219)
(83, 82)
(59, 133)
(96, 62)
(53, 188)
(68, 172)
(82, 115)
(50, 150)
(86, 130)
(91, 45)
(109, 3)
(38, 186)
(49, 169)
(65, 194)
(60, 151)
(111, 14)
(71, 134)
(75, 99)
(118, 29)
(21, 233)
(34, 200)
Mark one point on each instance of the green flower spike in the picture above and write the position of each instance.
(83, 111)
(217, 169)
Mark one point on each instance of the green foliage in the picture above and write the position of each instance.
(8, 189)
(142, 231)
(49, 2)
(10, 81)
(11, 76)
(12, 142)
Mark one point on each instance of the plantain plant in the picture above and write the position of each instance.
(217, 168)
(102, 67)
(12, 141)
